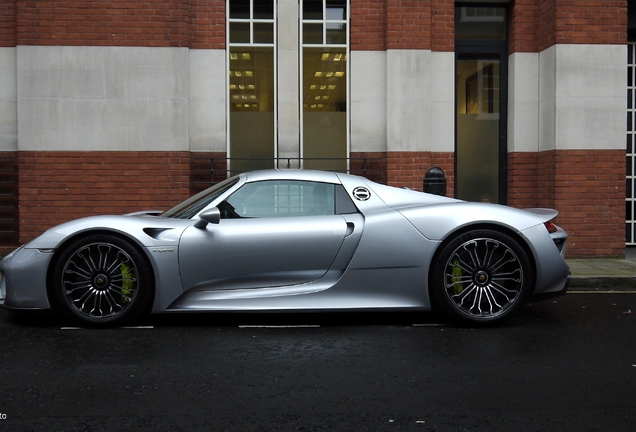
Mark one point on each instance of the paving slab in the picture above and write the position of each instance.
(603, 274)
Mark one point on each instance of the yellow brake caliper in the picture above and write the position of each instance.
(456, 273)
(127, 284)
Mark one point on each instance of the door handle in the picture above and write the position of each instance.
(350, 228)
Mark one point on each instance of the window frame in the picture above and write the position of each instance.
(347, 46)
(341, 202)
(230, 46)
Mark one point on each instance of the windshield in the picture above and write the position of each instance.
(193, 205)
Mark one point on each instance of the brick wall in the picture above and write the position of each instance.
(523, 179)
(407, 169)
(408, 24)
(8, 23)
(206, 169)
(581, 22)
(368, 25)
(589, 191)
(9, 227)
(377, 25)
(546, 24)
(591, 22)
(586, 186)
(539, 24)
(59, 186)
(145, 23)
(443, 25)
(522, 26)
(207, 24)
(371, 165)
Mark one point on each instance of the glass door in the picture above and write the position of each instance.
(477, 154)
(481, 68)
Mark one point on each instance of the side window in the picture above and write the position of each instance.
(344, 205)
(280, 198)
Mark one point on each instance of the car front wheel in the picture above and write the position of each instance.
(481, 277)
(101, 281)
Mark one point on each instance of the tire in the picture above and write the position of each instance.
(481, 277)
(102, 281)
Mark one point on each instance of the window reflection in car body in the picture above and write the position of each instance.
(192, 206)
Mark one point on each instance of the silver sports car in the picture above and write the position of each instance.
(293, 240)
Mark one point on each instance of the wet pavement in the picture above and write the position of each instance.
(560, 365)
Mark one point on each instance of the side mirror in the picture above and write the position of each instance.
(211, 216)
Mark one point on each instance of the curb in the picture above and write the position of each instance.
(596, 283)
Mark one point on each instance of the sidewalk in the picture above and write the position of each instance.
(604, 274)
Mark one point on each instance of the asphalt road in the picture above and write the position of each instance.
(562, 365)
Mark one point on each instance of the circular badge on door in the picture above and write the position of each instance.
(361, 193)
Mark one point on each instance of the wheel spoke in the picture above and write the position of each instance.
(96, 311)
(483, 277)
(84, 297)
(115, 265)
(112, 302)
(100, 280)
(464, 265)
(504, 291)
(472, 253)
(507, 277)
(492, 300)
(468, 292)
(490, 253)
(502, 262)
(76, 288)
(78, 270)
(88, 260)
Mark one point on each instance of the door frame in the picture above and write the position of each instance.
(475, 48)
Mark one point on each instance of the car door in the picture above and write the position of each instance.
(271, 234)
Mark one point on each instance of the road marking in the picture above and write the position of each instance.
(430, 325)
(279, 326)
(602, 292)
(126, 327)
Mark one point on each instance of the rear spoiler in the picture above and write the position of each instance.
(545, 214)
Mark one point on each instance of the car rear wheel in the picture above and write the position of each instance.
(481, 277)
(102, 281)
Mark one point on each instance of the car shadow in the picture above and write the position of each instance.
(527, 314)
(291, 319)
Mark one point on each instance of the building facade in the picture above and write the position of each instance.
(115, 106)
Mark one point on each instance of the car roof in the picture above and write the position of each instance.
(292, 174)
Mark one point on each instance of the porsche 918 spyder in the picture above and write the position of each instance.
(293, 240)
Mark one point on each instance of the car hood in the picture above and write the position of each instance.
(147, 231)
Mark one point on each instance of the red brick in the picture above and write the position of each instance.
(48, 193)
(569, 182)
(173, 23)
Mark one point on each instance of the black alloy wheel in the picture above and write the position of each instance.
(102, 281)
(481, 277)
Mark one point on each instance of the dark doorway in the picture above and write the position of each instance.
(481, 65)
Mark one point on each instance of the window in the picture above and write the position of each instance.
(193, 205)
(280, 198)
(286, 198)
(251, 84)
(630, 201)
(324, 82)
(288, 84)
